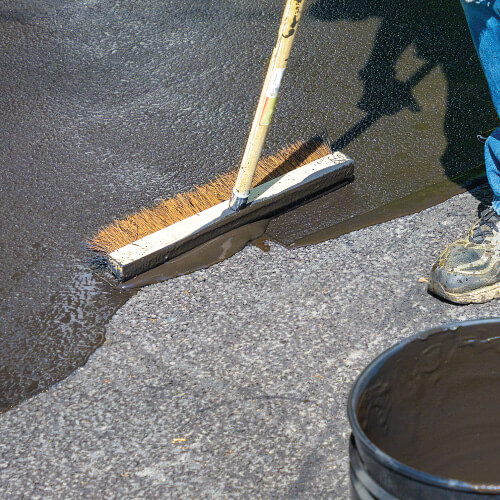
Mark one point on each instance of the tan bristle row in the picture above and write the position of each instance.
(183, 205)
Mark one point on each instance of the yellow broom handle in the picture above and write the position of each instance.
(267, 100)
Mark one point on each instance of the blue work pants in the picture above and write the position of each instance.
(483, 17)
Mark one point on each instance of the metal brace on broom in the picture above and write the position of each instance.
(468, 271)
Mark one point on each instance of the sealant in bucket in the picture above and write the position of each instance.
(426, 417)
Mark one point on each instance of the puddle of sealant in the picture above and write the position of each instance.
(71, 328)
(434, 404)
(205, 255)
(90, 299)
(413, 203)
(78, 314)
(88, 302)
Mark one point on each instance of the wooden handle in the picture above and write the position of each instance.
(267, 101)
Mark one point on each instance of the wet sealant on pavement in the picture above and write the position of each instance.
(107, 106)
(232, 382)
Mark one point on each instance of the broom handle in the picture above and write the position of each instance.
(267, 101)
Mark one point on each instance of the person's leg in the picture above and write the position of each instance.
(483, 17)
(492, 160)
(469, 269)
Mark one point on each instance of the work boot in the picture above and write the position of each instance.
(468, 271)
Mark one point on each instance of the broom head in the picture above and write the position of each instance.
(183, 205)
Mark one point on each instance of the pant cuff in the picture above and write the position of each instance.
(496, 204)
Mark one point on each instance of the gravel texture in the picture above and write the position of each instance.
(232, 382)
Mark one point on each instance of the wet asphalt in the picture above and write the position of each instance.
(232, 382)
(106, 106)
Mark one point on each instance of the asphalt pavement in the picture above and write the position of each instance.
(232, 382)
(107, 106)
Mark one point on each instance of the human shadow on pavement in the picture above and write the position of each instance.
(438, 30)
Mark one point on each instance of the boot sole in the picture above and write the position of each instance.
(479, 296)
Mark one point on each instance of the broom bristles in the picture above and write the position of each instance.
(183, 205)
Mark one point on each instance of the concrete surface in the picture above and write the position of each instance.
(232, 382)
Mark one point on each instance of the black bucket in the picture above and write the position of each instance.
(425, 417)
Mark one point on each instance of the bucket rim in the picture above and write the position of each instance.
(362, 381)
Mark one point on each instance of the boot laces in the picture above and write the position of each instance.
(486, 227)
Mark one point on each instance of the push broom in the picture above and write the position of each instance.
(260, 189)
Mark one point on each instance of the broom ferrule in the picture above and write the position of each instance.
(238, 200)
